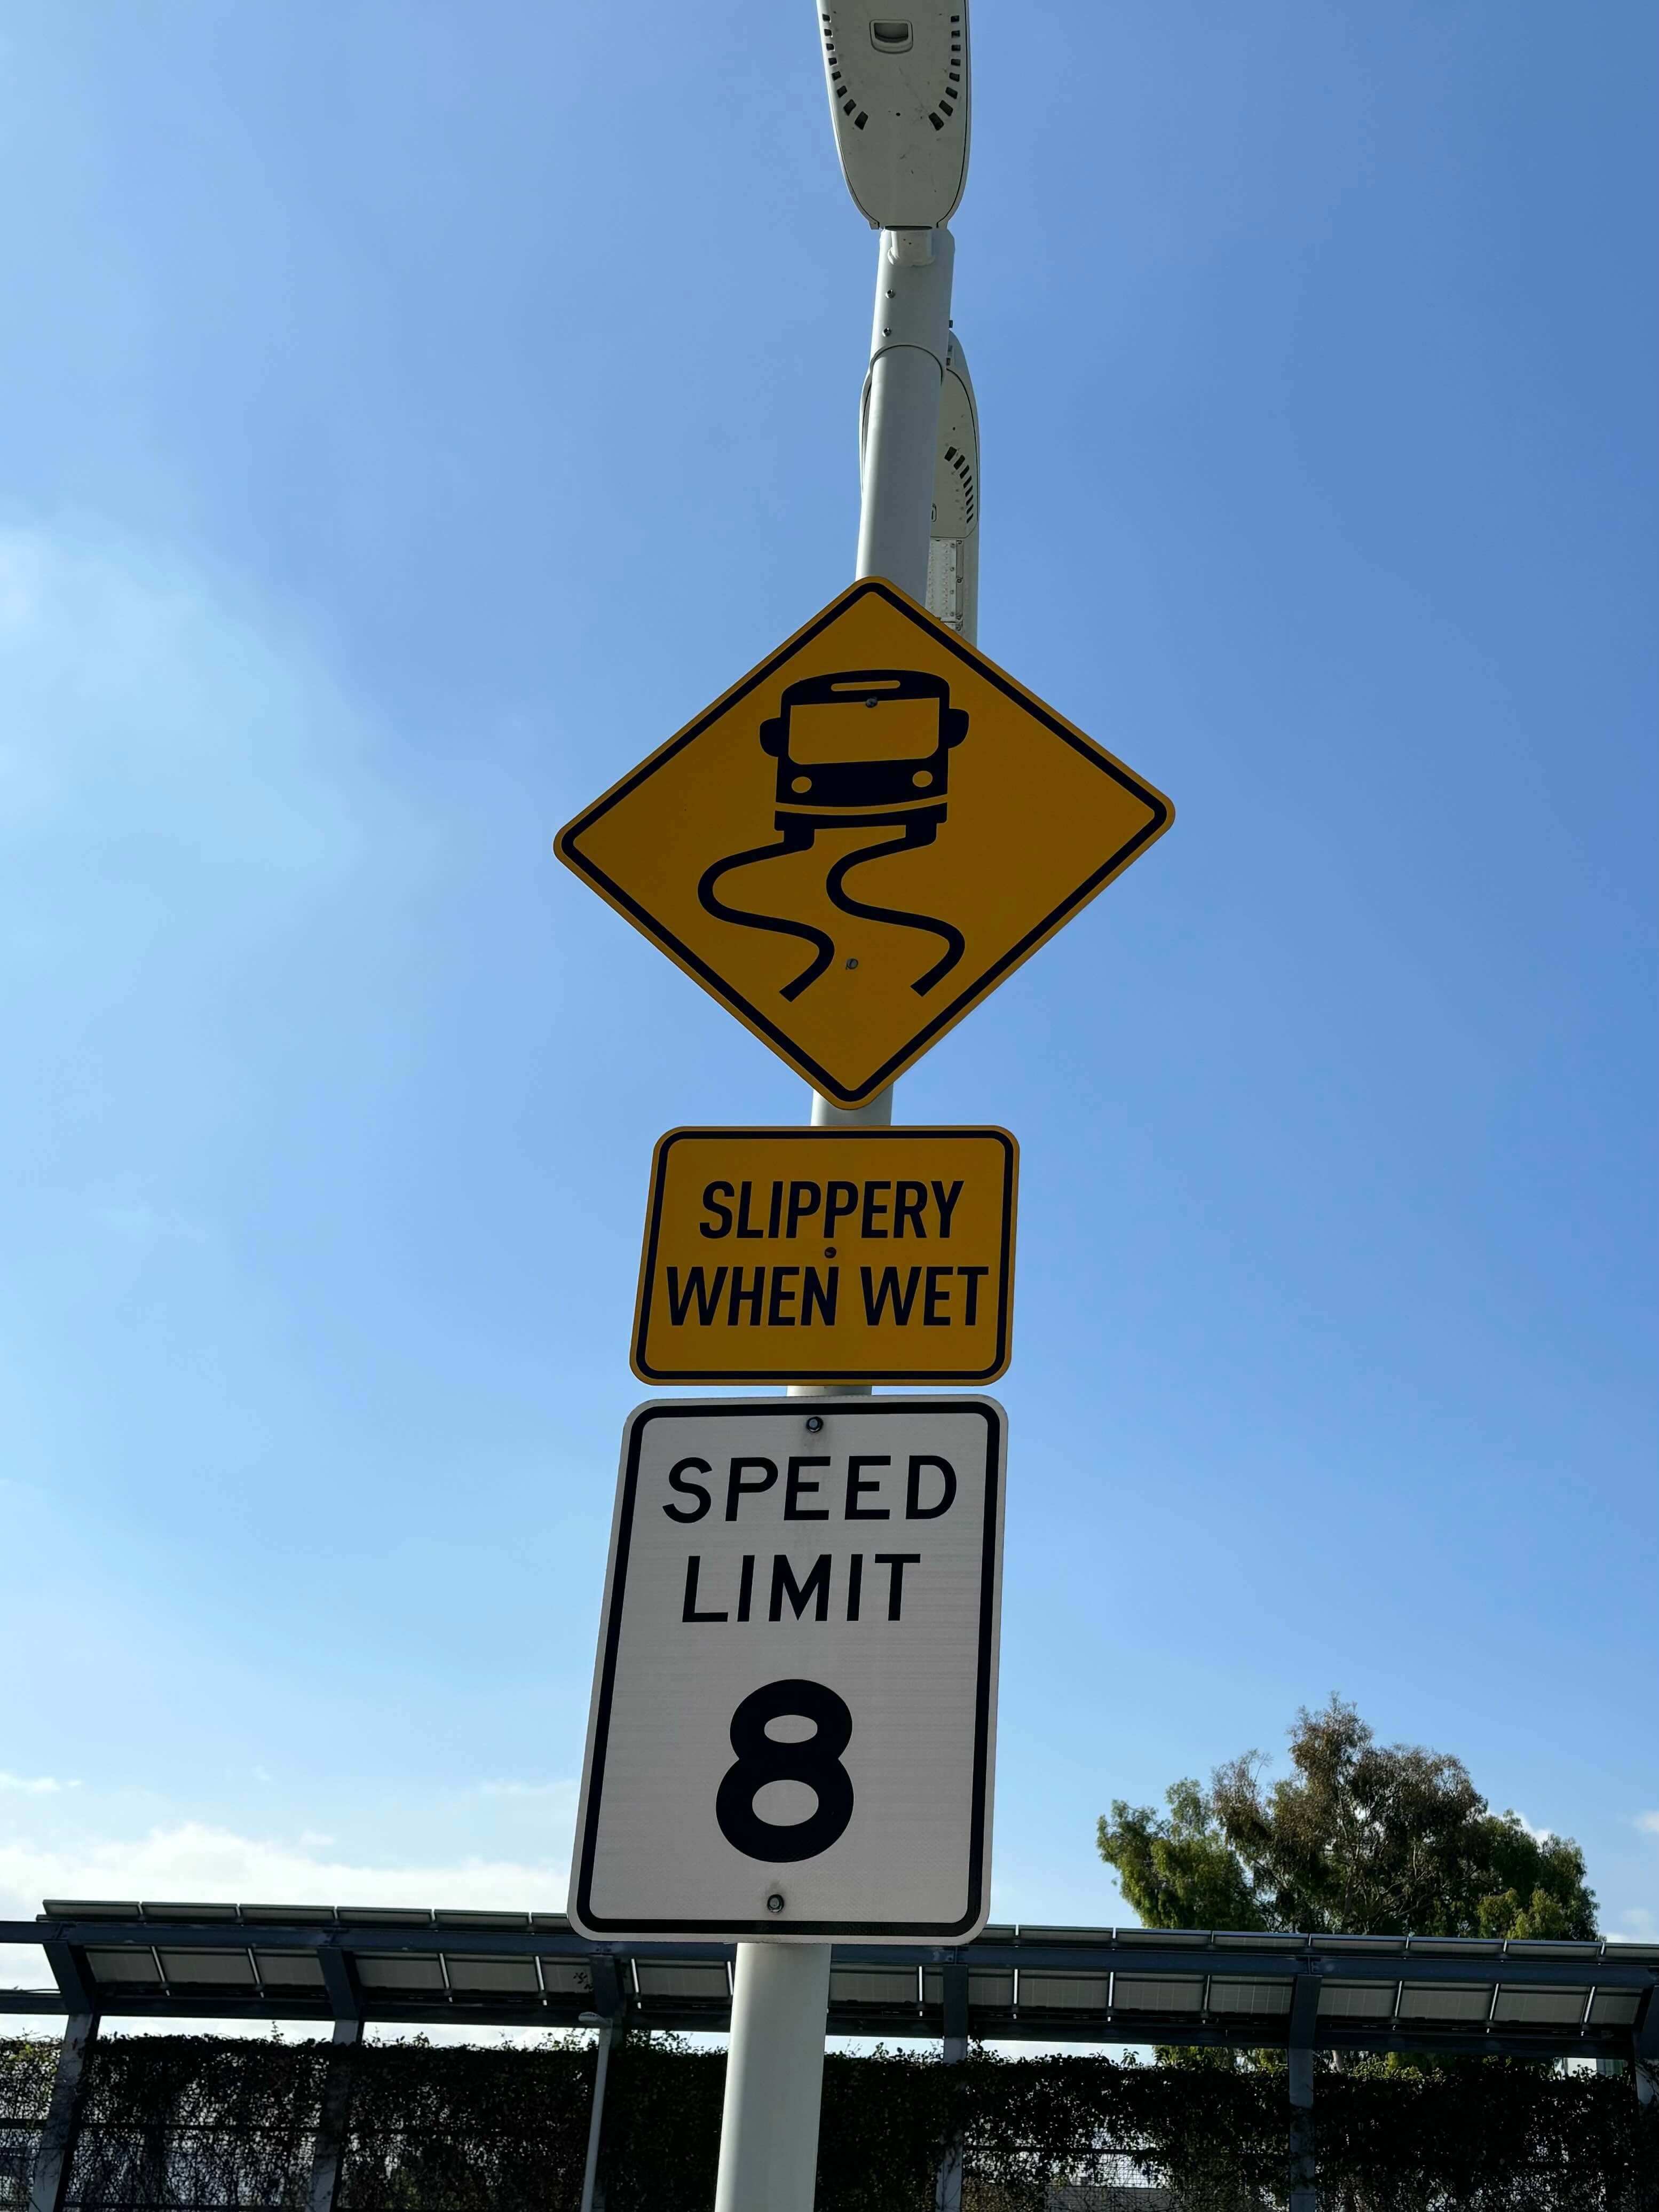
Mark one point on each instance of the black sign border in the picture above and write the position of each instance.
(929, 1375)
(566, 845)
(921, 1931)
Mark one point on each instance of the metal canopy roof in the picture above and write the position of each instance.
(324, 1963)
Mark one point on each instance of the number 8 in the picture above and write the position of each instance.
(761, 1758)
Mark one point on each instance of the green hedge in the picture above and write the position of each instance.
(176, 2121)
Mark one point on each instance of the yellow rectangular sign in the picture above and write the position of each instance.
(827, 1256)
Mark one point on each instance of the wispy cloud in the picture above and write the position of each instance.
(212, 1865)
(544, 1789)
(142, 713)
(35, 1785)
(141, 1223)
(1649, 1823)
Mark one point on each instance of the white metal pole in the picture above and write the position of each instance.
(909, 340)
(781, 1991)
(773, 2079)
(596, 2113)
(909, 343)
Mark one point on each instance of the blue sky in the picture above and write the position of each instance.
(415, 414)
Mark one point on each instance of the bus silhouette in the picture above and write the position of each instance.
(871, 737)
(864, 747)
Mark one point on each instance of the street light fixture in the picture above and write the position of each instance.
(898, 99)
(898, 86)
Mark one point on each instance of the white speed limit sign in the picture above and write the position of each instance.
(793, 1723)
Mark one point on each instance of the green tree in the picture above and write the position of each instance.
(1362, 1839)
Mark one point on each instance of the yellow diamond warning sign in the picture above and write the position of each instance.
(827, 1256)
(863, 837)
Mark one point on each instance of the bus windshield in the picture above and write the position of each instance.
(896, 730)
